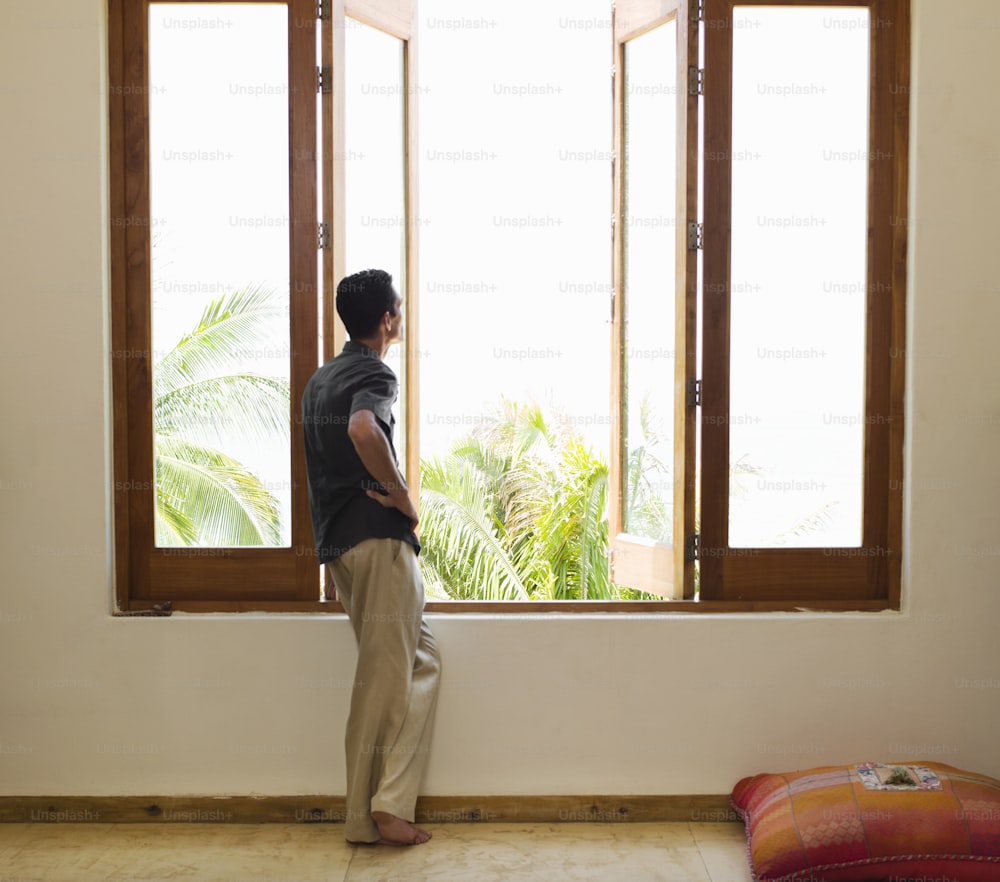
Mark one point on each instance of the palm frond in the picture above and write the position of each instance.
(202, 396)
(245, 405)
(461, 536)
(231, 330)
(575, 527)
(173, 526)
(435, 586)
(593, 553)
(228, 505)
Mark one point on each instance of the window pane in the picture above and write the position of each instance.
(375, 169)
(798, 283)
(515, 205)
(218, 156)
(649, 268)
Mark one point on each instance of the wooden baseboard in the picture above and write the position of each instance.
(331, 809)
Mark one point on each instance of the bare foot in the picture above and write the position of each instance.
(396, 831)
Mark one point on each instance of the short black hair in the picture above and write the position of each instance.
(362, 299)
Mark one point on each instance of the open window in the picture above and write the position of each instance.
(652, 467)
(370, 199)
(260, 151)
(796, 393)
(231, 125)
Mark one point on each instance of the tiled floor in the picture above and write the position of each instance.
(613, 852)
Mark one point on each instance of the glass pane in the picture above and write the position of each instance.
(650, 227)
(798, 284)
(218, 157)
(375, 169)
(515, 201)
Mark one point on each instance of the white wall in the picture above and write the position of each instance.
(530, 705)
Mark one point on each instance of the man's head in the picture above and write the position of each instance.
(364, 299)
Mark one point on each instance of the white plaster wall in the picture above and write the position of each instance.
(530, 705)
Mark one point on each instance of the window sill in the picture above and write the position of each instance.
(521, 608)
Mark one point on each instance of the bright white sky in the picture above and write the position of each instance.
(515, 205)
(515, 122)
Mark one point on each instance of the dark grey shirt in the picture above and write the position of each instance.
(342, 513)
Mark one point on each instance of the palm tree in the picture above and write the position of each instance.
(517, 510)
(201, 395)
(465, 549)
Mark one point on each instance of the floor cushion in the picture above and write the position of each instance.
(872, 822)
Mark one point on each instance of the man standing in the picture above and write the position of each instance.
(363, 522)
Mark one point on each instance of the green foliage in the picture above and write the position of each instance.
(201, 396)
(646, 512)
(517, 510)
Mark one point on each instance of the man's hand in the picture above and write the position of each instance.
(401, 501)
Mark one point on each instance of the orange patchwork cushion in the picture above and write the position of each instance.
(872, 822)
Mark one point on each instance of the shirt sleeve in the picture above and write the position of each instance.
(378, 394)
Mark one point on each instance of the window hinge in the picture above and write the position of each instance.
(324, 79)
(614, 222)
(692, 547)
(323, 235)
(694, 393)
(697, 10)
(696, 236)
(696, 81)
(323, 10)
(612, 305)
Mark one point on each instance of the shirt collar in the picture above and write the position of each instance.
(361, 349)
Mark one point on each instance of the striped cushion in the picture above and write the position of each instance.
(859, 824)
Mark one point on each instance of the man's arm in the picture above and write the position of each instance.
(373, 448)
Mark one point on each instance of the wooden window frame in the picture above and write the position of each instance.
(237, 579)
(867, 577)
(192, 578)
(288, 579)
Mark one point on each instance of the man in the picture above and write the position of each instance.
(364, 522)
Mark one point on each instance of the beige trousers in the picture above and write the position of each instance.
(395, 685)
